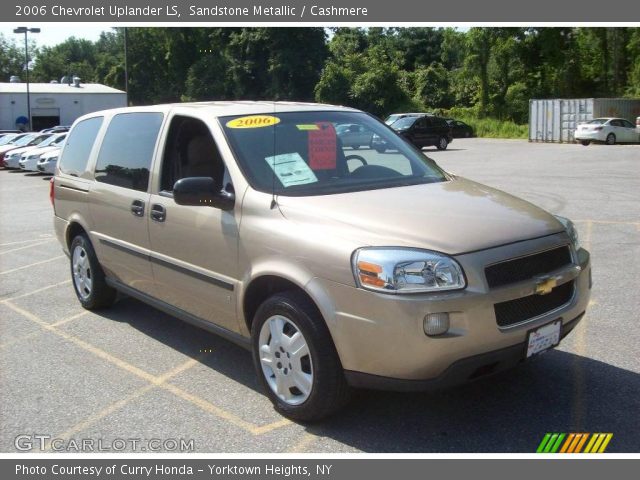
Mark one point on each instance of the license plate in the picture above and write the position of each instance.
(543, 338)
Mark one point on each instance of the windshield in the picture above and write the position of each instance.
(405, 122)
(21, 142)
(598, 121)
(392, 118)
(6, 139)
(52, 140)
(300, 153)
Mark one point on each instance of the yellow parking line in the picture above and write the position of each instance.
(194, 399)
(25, 247)
(21, 242)
(43, 289)
(209, 407)
(608, 222)
(579, 389)
(96, 417)
(39, 332)
(84, 345)
(70, 319)
(32, 265)
(271, 426)
(306, 440)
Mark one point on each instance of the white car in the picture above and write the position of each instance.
(48, 161)
(12, 158)
(607, 130)
(29, 158)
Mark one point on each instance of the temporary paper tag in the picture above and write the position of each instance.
(291, 169)
(322, 147)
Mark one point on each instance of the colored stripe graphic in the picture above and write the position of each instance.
(565, 447)
(590, 444)
(556, 446)
(581, 443)
(605, 443)
(574, 443)
(543, 443)
(550, 443)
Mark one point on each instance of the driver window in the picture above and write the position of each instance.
(191, 152)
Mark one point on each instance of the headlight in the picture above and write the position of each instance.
(52, 159)
(406, 270)
(571, 231)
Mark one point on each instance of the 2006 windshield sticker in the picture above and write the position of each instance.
(253, 121)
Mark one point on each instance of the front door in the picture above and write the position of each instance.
(194, 250)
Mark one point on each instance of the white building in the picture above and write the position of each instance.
(54, 103)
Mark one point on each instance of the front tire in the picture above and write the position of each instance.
(611, 139)
(87, 276)
(585, 143)
(295, 358)
(443, 143)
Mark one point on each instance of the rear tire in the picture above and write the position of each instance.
(88, 277)
(295, 358)
(443, 143)
(611, 139)
(585, 143)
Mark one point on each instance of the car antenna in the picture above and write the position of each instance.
(274, 202)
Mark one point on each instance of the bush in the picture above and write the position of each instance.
(487, 127)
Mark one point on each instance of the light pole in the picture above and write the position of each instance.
(26, 30)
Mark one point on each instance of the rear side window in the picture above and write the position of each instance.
(78, 147)
(127, 150)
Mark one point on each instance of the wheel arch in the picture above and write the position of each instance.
(75, 227)
(268, 282)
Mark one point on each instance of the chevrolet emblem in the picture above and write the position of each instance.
(545, 286)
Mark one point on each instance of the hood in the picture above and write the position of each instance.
(37, 151)
(54, 152)
(19, 150)
(6, 148)
(452, 217)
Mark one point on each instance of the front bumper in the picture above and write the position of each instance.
(12, 162)
(382, 335)
(461, 371)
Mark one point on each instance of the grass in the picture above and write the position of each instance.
(493, 128)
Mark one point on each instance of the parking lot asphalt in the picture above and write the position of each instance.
(132, 372)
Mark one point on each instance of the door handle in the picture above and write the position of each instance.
(158, 212)
(137, 208)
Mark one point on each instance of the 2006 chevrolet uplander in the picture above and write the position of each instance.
(337, 269)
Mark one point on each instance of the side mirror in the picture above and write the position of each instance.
(202, 191)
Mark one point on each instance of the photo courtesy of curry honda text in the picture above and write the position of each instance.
(338, 266)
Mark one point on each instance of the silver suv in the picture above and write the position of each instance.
(337, 270)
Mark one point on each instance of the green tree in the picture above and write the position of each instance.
(12, 58)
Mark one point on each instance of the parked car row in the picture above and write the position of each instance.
(37, 152)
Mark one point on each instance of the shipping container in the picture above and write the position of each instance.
(555, 120)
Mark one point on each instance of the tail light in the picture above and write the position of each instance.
(52, 197)
(638, 122)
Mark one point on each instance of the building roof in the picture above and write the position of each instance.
(56, 88)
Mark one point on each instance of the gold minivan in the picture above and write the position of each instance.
(337, 267)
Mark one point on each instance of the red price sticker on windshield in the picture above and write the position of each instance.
(322, 147)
